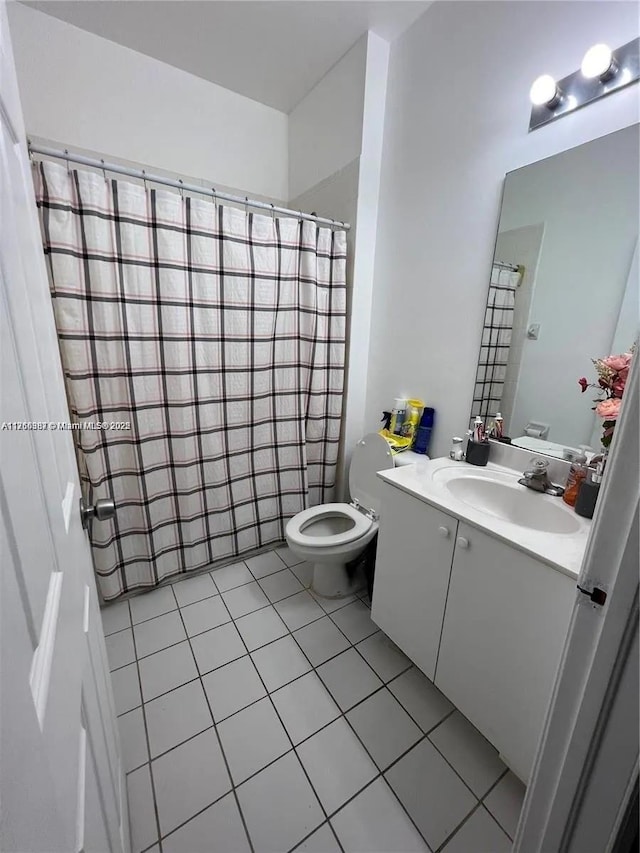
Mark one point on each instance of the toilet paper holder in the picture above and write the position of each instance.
(535, 429)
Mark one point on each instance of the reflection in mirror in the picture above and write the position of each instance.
(563, 290)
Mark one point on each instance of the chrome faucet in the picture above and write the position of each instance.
(536, 477)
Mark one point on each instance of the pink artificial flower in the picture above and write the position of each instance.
(617, 362)
(608, 410)
(618, 386)
(583, 384)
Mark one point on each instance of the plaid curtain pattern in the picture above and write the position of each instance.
(219, 335)
(496, 340)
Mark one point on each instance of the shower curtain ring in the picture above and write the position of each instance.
(66, 151)
(180, 181)
(144, 180)
(273, 212)
(246, 205)
(104, 171)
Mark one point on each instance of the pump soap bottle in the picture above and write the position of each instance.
(588, 492)
(577, 474)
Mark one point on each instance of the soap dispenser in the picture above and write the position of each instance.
(577, 473)
(589, 491)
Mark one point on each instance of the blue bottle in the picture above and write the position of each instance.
(423, 434)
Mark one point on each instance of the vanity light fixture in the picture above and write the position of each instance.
(598, 62)
(603, 71)
(545, 92)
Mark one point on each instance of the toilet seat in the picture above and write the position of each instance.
(296, 525)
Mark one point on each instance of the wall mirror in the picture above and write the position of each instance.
(563, 290)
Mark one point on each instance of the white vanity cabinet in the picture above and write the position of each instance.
(505, 623)
(482, 619)
(413, 565)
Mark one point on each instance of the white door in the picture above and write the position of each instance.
(61, 784)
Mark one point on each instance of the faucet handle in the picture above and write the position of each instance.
(537, 466)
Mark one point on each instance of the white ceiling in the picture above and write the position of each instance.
(274, 51)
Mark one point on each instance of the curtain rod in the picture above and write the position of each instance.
(142, 175)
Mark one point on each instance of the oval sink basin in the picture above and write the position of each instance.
(501, 496)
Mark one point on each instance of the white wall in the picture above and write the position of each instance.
(325, 128)
(588, 201)
(356, 421)
(456, 121)
(87, 92)
(336, 132)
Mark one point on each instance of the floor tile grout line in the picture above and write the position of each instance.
(255, 702)
(270, 642)
(342, 713)
(233, 620)
(200, 633)
(483, 799)
(148, 742)
(383, 685)
(184, 576)
(247, 654)
(130, 625)
(479, 805)
(286, 731)
(437, 748)
(221, 593)
(166, 692)
(189, 575)
(219, 739)
(201, 676)
(313, 832)
(380, 774)
(184, 580)
(273, 574)
(458, 827)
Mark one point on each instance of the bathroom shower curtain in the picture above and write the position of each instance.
(496, 341)
(208, 343)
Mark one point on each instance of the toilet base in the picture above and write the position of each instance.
(330, 580)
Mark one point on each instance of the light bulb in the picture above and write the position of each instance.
(599, 62)
(544, 91)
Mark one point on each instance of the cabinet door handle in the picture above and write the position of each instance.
(443, 531)
(462, 542)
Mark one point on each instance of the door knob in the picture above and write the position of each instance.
(462, 542)
(102, 509)
(443, 531)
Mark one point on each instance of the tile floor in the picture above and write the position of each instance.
(255, 716)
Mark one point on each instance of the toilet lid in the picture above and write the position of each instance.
(371, 454)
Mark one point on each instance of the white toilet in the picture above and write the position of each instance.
(331, 535)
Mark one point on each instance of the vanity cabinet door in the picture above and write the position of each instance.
(504, 628)
(413, 564)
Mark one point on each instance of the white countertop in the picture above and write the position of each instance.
(562, 551)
